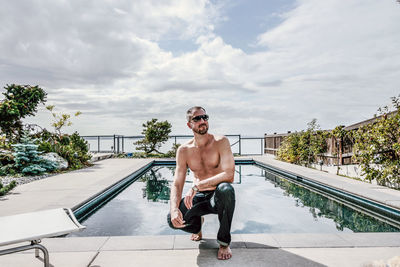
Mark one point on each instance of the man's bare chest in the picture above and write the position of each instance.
(204, 161)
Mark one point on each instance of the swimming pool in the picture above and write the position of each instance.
(266, 202)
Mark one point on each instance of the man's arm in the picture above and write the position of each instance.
(227, 166)
(177, 187)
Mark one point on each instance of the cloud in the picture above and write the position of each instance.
(330, 60)
(72, 43)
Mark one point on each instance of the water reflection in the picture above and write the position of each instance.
(321, 206)
(157, 187)
(265, 203)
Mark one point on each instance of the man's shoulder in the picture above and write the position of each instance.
(186, 145)
(221, 141)
(220, 138)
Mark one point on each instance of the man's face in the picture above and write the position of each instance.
(201, 126)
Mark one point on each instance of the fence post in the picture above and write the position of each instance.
(240, 145)
(114, 145)
(118, 144)
(98, 144)
(261, 143)
(265, 143)
(123, 137)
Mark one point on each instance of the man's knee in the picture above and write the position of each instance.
(226, 190)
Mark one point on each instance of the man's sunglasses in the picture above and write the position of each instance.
(198, 118)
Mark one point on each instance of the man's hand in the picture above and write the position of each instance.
(202, 185)
(177, 219)
(189, 198)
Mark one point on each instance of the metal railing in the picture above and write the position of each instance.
(243, 146)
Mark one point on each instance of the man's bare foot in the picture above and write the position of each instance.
(224, 253)
(197, 237)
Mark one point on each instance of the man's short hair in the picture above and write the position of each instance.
(191, 111)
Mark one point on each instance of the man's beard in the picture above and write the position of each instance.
(201, 131)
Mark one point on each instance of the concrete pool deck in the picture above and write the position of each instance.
(70, 189)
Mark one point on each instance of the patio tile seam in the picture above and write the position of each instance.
(212, 248)
(341, 237)
(173, 242)
(102, 245)
(276, 240)
(93, 259)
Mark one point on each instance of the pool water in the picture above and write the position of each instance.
(265, 203)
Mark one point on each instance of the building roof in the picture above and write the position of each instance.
(362, 123)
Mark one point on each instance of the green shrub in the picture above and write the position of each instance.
(377, 147)
(172, 152)
(303, 147)
(65, 140)
(289, 149)
(6, 158)
(8, 170)
(73, 148)
(5, 189)
(27, 159)
(4, 144)
(147, 155)
(45, 147)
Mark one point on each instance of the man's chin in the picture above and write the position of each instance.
(202, 132)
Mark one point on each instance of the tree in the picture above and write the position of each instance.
(157, 187)
(20, 101)
(155, 134)
(377, 146)
(312, 142)
(60, 120)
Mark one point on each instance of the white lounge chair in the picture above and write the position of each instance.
(33, 227)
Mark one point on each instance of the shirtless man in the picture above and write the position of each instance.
(211, 160)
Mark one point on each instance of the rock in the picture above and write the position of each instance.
(54, 157)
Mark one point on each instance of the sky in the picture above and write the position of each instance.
(256, 66)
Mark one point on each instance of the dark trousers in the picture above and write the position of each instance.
(221, 201)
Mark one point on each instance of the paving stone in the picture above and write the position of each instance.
(64, 259)
(70, 244)
(139, 242)
(310, 240)
(184, 242)
(201, 257)
(208, 242)
(350, 257)
(393, 203)
(372, 239)
(259, 241)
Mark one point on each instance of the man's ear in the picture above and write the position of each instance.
(189, 125)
